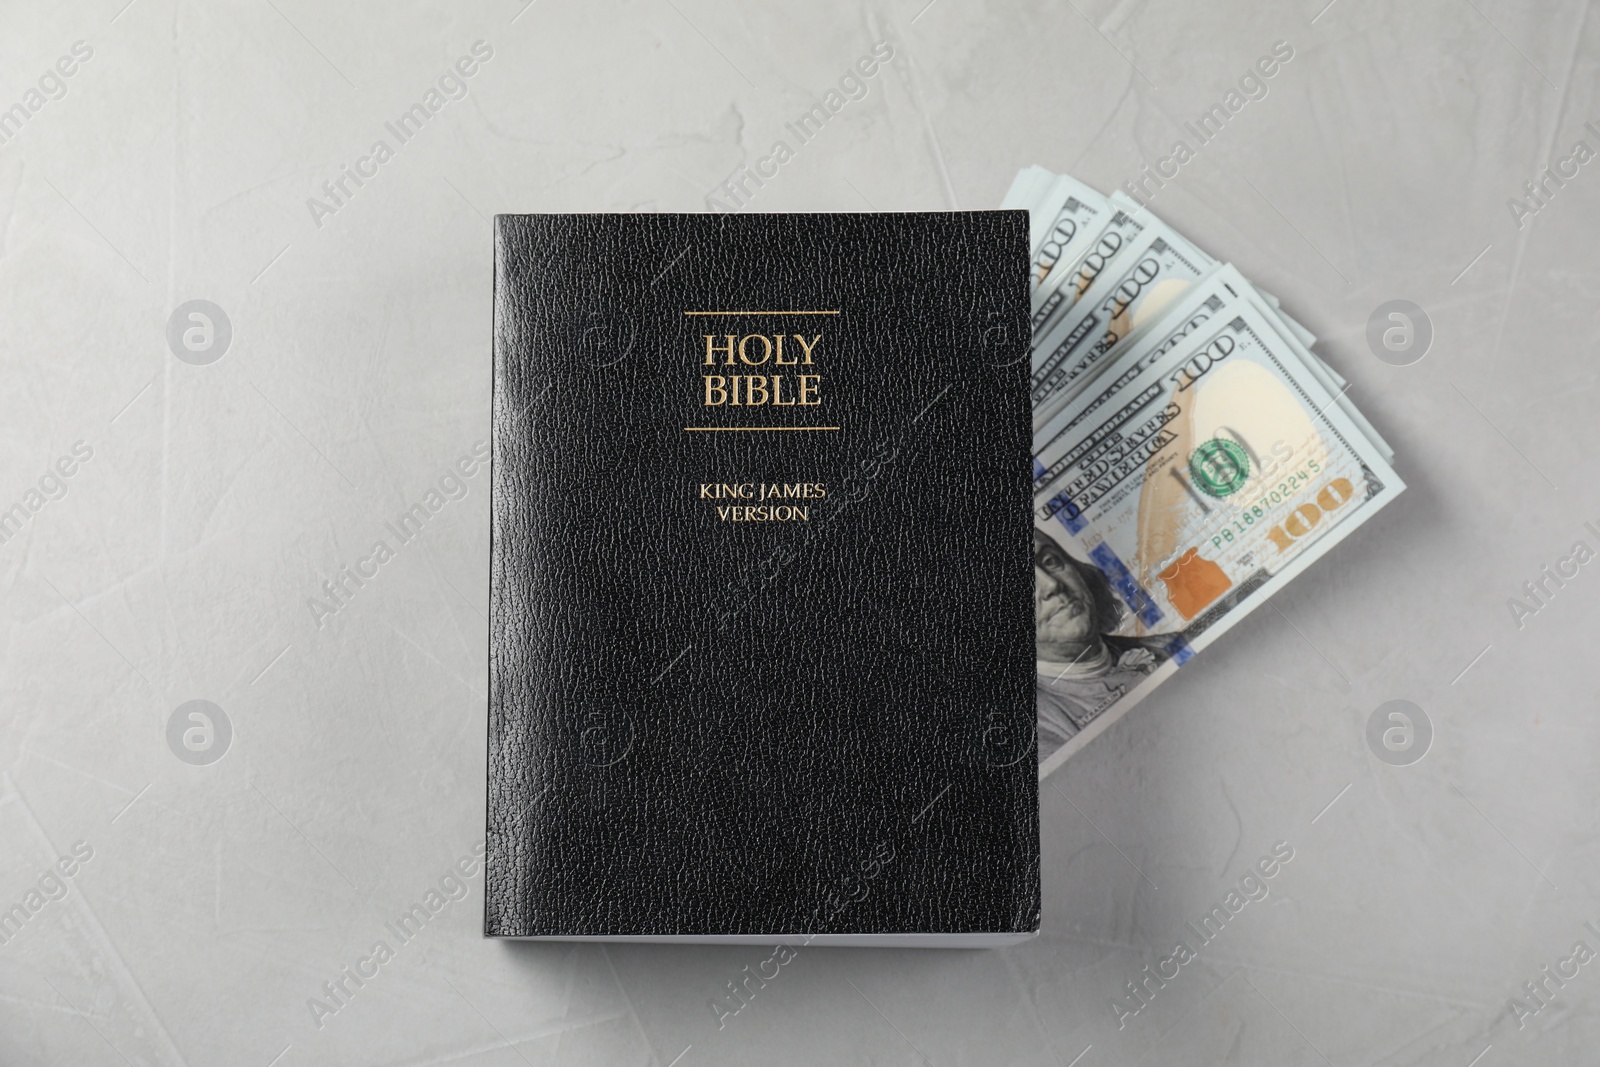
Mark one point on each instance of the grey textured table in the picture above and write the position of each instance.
(225, 153)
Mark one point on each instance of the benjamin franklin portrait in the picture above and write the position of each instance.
(1083, 667)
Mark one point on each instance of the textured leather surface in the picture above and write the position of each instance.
(707, 727)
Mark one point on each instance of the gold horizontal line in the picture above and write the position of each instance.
(761, 312)
(750, 429)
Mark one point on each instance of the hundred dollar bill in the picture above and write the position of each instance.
(1221, 292)
(1193, 493)
(1053, 299)
(1068, 216)
(1149, 275)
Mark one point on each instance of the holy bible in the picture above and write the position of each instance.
(761, 642)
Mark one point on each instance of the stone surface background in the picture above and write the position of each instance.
(177, 561)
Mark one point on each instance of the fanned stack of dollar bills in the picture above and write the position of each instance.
(1191, 454)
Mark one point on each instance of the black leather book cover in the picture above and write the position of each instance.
(761, 633)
